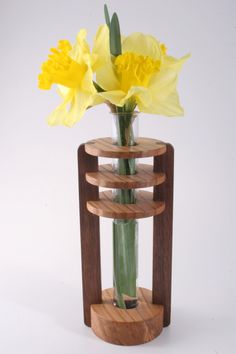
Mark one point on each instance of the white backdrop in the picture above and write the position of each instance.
(40, 273)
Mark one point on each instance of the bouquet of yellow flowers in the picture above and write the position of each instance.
(124, 72)
(130, 74)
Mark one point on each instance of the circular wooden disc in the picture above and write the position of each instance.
(145, 147)
(127, 327)
(145, 177)
(144, 207)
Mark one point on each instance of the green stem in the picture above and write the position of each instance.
(124, 231)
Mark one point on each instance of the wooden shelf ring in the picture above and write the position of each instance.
(145, 177)
(144, 207)
(145, 147)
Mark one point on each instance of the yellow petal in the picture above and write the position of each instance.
(170, 106)
(77, 102)
(87, 82)
(58, 115)
(163, 98)
(106, 77)
(140, 95)
(97, 99)
(105, 74)
(142, 44)
(173, 63)
(81, 101)
(80, 47)
(115, 97)
(63, 91)
(119, 98)
(163, 83)
(101, 47)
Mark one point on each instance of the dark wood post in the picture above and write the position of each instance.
(162, 235)
(90, 235)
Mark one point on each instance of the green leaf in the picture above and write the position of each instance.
(107, 17)
(115, 38)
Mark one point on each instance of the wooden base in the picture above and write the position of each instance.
(127, 327)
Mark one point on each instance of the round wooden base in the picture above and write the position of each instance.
(127, 327)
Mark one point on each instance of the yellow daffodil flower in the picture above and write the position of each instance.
(70, 68)
(143, 74)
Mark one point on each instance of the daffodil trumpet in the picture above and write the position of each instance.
(72, 69)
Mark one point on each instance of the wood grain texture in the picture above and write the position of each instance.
(145, 147)
(89, 234)
(144, 207)
(162, 235)
(127, 327)
(106, 177)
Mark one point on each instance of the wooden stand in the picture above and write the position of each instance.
(144, 323)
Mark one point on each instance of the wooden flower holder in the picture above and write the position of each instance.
(145, 322)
